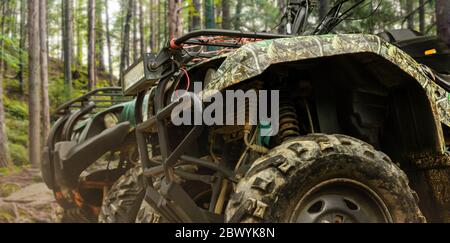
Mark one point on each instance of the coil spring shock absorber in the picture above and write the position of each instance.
(289, 124)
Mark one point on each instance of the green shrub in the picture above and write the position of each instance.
(17, 131)
(16, 136)
(19, 154)
(20, 124)
(12, 86)
(10, 171)
(16, 109)
(56, 92)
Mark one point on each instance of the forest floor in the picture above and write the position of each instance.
(24, 198)
(16, 103)
(23, 195)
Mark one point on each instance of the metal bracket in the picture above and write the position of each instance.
(177, 206)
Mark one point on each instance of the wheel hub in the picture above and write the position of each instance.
(341, 201)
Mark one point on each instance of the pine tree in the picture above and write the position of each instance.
(4, 151)
(210, 19)
(45, 102)
(91, 46)
(124, 57)
(34, 83)
(196, 19)
(226, 19)
(67, 44)
(108, 43)
(23, 39)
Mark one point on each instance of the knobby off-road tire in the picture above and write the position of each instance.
(126, 199)
(123, 201)
(336, 171)
(147, 215)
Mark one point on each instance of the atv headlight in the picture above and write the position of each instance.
(138, 76)
(133, 76)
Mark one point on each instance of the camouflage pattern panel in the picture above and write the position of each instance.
(252, 59)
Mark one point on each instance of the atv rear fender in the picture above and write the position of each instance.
(255, 58)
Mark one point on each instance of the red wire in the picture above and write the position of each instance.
(188, 81)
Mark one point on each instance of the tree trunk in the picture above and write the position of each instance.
(226, 20)
(237, 17)
(45, 102)
(6, 26)
(91, 46)
(135, 32)
(124, 57)
(100, 40)
(79, 44)
(34, 85)
(158, 24)
(179, 18)
(443, 20)
(324, 7)
(409, 10)
(152, 26)
(23, 38)
(108, 42)
(4, 152)
(422, 16)
(217, 12)
(171, 16)
(67, 45)
(210, 19)
(143, 47)
(196, 19)
(165, 20)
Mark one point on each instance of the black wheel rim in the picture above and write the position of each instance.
(341, 201)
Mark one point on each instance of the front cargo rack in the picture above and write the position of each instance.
(103, 98)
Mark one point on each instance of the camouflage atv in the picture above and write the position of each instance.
(364, 128)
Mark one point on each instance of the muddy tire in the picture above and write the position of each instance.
(124, 200)
(324, 178)
(147, 215)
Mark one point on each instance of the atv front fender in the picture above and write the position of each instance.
(72, 158)
(253, 59)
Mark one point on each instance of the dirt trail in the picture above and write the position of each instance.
(24, 198)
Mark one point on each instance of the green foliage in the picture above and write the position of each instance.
(17, 137)
(9, 171)
(15, 109)
(56, 92)
(12, 86)
(11, 52)
(260, 15)
(17, 131)
(19, 154)
(371, 17)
